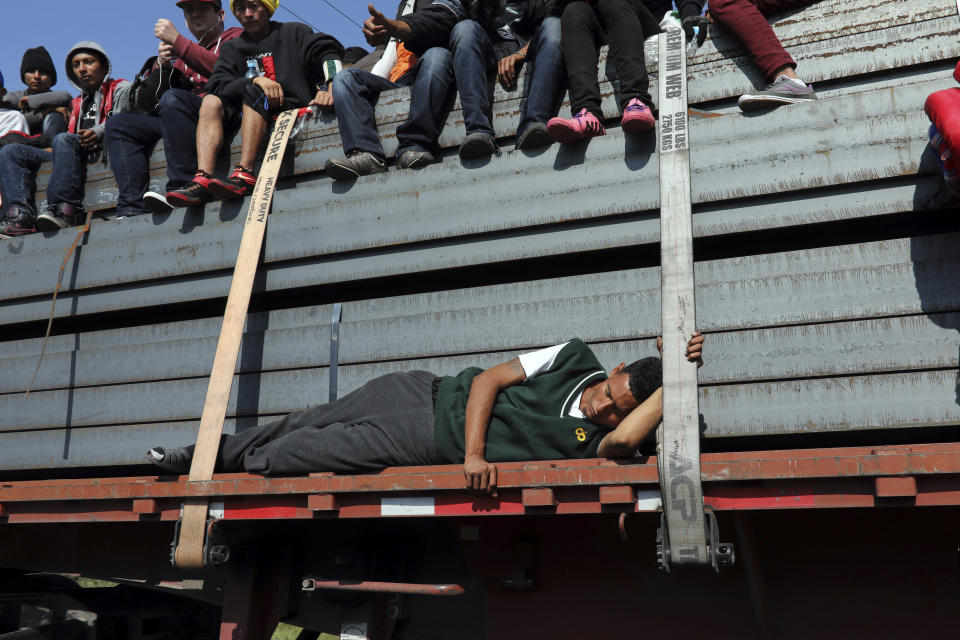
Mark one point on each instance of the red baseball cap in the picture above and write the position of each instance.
(215, 3)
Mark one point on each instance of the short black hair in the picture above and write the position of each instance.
(351, 55)
(646, 376)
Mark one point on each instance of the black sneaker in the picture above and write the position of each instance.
(156, 202)
(192, 194)
(17, 223)
(358, 163)
(477, 145)
(239, 184)
(535, 136)
(415, 159)
(175, 460)
(63, 216)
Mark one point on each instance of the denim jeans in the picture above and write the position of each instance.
(543, 87)
(18, 172)
(131, 137)
(54, 124)
(472, 50)
(355, 94)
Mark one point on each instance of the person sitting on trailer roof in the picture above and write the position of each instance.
(500, 37)
(544, 405)
(625, 24)
(270, 67)
(414, 55)
(131, 136)
(745, 19)
(88, 68)
(46, 111)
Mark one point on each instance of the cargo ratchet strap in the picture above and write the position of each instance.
(189, 551)
(683, 538)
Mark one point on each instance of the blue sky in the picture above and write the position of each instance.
(125, 29)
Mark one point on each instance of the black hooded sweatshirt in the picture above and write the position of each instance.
(291, 54)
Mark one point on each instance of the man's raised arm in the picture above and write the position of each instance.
(624, 441)
(479, 473)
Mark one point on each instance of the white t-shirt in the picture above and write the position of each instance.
(536, 362)
(389, 58)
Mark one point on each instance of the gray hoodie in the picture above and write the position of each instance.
(120, 93)
(37, 103)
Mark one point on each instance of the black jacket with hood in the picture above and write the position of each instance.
(291, 54)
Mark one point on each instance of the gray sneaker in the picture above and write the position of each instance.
(358, 163)
(60, 217)
(477, 145)
(415, 159)
(176, 460)
(783, 90)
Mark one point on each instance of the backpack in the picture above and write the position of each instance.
(150, 84)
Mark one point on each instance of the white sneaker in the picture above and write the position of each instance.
(156, 202)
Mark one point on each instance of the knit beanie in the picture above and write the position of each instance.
(38, 58)
(271, 5)
(215, 3)
(1, 80)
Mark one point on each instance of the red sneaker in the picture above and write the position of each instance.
(637, 117)
(580, 127)
(238, 184)
(193, 194)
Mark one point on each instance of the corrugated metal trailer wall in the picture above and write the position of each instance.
(825, 280)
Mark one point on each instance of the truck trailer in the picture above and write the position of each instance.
(825, 262)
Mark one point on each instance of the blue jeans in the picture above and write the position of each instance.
(355, 94)
(54, 124)
(543, 87)
(131, 137)
(472, 50)
(18, 172)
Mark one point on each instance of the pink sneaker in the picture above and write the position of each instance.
(580, 127)
(637, 117)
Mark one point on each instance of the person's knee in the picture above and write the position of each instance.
(117, 123)
(719, 9)
(549, 30)
(254, 111)
(345, 83)
(211, 107)
(53, 119)
(172, 99)
(347, 79)
(436, 60)
(576, 12)
(66, 141)
(465, 32)
(614, 11)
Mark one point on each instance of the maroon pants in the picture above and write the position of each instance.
(745, 19)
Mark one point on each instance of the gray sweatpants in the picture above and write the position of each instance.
(385, 423)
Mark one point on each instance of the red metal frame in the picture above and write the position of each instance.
(918, 475)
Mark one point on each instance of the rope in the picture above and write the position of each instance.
(53, 303)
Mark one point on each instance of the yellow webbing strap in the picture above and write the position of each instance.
(189, 549)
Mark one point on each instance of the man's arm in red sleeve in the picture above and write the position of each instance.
(196, 57)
